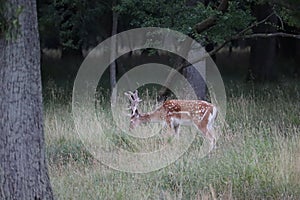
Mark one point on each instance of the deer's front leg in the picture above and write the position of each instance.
(173, 125)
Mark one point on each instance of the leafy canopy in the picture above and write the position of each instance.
(78, 24)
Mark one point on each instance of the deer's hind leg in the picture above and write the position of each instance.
(207, 131)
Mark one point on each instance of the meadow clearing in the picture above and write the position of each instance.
(257, 155)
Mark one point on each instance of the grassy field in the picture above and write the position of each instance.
(257, 155)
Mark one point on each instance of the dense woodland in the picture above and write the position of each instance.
(73, 27)
(256, 46)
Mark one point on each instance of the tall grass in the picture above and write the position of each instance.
(257, 155)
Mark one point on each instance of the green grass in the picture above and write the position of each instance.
(258, 153)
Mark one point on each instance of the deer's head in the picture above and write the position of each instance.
(134, 102)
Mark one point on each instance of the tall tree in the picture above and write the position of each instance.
(23, 169)
(191, 17)
(113, 66)
(219, 22)
(263, 50)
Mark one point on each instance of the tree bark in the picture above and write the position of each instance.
(23, 168)
(263, 50)
(197, 78)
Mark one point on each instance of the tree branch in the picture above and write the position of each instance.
(212, 20)
(256, 24)
(241, 35)
(200, 27)
(237, 37)
(206, 24)
(267, 35)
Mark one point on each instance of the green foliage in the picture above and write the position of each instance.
(182, 17)
(73, 24)
(287, 10)
(160, 13)
(9, 20)
(291, 17)
(237, 18)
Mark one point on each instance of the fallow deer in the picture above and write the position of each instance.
(174, 113)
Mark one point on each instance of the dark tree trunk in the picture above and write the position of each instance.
(190, 73)
(23, 169)
(263, 50)
(113, 68)
(297, 59)
(164, 92)
(196, 79)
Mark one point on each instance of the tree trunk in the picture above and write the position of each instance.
(263, 50)
(196, 79)
(23, 168)
(113, 68)
(297, 59)
(164, 92)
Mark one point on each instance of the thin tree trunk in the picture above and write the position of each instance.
(263, 50)
(113, 67)
(297, 59)
(164, 92)
(197, 78)
(23, 169)
(179, 65)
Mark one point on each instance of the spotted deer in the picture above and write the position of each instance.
(174, 113)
